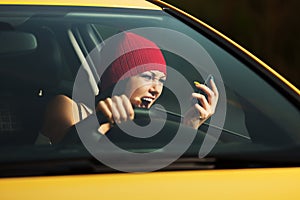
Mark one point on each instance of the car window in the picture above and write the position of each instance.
(45, 48)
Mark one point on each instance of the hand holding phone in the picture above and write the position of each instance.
(206, 83)
(204, 100)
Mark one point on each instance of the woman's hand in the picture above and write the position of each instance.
(116, 109)
(199, 113)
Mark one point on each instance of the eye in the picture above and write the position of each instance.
(162, 81)
(147, 77)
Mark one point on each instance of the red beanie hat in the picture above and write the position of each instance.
(138, 55)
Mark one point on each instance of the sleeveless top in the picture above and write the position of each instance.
(83, 111)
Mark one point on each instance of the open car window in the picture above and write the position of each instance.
(46, 48)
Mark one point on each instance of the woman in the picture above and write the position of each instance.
(142, 72)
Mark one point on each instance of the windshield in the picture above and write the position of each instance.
(53, 51)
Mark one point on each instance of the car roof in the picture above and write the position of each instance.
(138, 4)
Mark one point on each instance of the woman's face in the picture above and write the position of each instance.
(143, 89)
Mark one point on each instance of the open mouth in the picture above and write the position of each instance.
(146, 101)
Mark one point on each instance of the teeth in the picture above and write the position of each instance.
(147, 99)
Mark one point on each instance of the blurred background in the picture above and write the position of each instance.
(267, 28)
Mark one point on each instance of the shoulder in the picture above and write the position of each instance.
(62, 99)
(61, 102)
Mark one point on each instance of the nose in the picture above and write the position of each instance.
(154, 93)
(155, 88)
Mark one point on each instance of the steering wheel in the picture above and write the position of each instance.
(172, 123)
(142, 118)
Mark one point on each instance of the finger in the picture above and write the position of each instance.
(123, 106)
(215, 98)
(128, 107)
(105, 109)
(214, 87)
(116, 109)
(203, 114)
(202, 99)
(206, 90)
(205, 108)
(108, 102)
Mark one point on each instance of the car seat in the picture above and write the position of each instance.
(28, 79)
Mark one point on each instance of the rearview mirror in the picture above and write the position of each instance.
(16, 42)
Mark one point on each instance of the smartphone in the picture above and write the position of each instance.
(197, 90)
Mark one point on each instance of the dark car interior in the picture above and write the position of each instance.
(30, 72)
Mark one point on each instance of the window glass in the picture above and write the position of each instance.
(48, 63)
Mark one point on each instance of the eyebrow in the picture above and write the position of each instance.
(164, 76)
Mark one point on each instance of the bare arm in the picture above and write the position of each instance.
(60, 115)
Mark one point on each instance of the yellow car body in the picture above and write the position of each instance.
(251, 183)
(280, 183)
